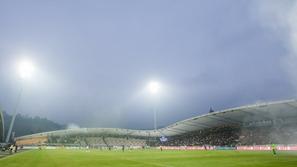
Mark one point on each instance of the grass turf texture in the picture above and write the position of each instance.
(150, 158)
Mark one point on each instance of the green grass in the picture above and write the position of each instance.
(156, 158)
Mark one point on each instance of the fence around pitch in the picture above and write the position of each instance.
(267, 147)
(243, 148)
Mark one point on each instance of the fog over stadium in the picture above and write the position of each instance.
(93, 59)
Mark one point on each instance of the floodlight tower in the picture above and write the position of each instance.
(25, 70)
(154, 90)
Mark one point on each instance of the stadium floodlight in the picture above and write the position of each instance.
(26, 69)
(154, 87)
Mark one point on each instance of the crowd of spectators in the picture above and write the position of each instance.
(235, 136)
(286, 134)
(96, 141)
(218, 136)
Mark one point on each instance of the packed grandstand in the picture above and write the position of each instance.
(252, 125)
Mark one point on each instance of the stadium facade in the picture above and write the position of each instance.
(250, 124)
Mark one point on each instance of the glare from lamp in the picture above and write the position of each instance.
(26, 69)
(154, 87)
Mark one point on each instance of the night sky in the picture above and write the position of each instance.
(94, 58)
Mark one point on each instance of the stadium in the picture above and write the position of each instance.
(250, 129)
(148, 83)
(259, 124)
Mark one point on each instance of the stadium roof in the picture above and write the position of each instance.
(271, 113)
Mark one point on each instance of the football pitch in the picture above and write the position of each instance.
(150, 158)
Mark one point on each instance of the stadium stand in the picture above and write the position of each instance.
(218, 136)
(32, 141)
(83, 140)
(95, 142)
(112, 141)
(236, 136)
(258, 124)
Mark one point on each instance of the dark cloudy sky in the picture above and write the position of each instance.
(94, 58)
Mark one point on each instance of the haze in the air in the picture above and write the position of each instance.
(93, 59)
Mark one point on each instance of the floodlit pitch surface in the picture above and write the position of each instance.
(78, 158)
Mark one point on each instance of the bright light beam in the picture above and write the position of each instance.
(26, 69)
(154, 87)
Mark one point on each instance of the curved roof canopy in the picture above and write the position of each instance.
(271, 113)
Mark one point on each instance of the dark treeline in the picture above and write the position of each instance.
(25, 125)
